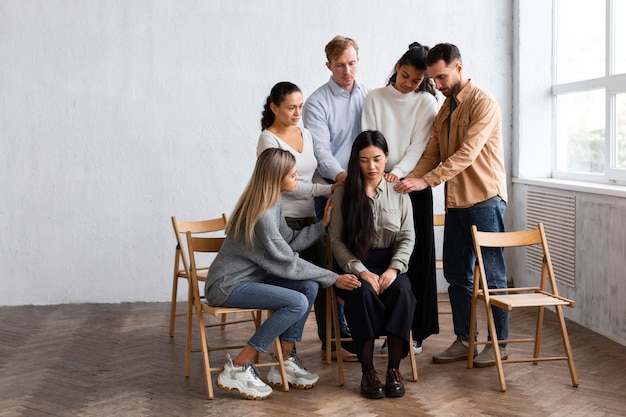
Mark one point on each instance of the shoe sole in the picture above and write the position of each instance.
(243, 394)
(292, 385)
(395, 394)
(279, 384)
(437, 359)
(373, 396)
(490, 363)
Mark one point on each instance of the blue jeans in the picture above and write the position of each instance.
(459, 260)
(290, 300)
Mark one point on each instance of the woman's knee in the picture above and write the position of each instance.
(310, 289)
(300, 304)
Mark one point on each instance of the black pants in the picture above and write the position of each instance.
(371, 315)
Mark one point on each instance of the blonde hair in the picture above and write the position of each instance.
(261, 193)
(337, 45)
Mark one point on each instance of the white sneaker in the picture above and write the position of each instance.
(297, 376)
(245, 379)
(417, 347)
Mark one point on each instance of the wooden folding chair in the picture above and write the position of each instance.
(181, 266)
(537, 297)
(195, 246)
(334, 336)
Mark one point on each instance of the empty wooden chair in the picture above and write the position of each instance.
(544, 294)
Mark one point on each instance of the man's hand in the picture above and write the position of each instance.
(341, 178)
(410, 184)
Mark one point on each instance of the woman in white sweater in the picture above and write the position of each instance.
(404, 111)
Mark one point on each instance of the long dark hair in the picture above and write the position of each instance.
(416, 57)
(277, 96)
(359, 232)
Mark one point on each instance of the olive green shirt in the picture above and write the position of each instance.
(393, 222)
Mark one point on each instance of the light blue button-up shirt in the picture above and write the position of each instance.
(333, 116)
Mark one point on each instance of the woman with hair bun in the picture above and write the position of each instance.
(404, 111)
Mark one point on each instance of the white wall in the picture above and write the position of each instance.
(116, 115)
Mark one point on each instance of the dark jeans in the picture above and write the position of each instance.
(459, 260)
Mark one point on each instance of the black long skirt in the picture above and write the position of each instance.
(422, 273)
(372, 315)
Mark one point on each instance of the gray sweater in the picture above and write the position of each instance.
(274, 251)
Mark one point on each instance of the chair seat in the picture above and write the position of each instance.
(218, 311)
(510, 301)
(202, 274)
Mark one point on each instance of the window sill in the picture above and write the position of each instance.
(579, 186)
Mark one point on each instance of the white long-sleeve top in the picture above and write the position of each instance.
(299, 202)
(405, 120)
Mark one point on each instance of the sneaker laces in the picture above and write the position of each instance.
(295, 359)
(251, 370)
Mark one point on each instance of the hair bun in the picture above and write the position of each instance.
(415, 45)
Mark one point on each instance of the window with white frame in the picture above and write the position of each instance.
(589, 90)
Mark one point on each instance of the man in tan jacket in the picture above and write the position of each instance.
(465, 151)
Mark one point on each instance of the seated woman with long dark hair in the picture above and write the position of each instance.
(372, 237)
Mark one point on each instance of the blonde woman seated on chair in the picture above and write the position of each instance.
(257, 267)
(372, 237)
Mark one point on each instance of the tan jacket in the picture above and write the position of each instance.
(471, 162)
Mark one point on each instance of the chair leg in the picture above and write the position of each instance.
(566, 346)
(205, 353)
(174, 296)
(472, 332)
(496, 347)
(190, 308)
(281, 363)
(538, 330)
(334, 314)
(329, 326)
(412, 357)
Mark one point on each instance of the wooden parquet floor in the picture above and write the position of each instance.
(118, 360)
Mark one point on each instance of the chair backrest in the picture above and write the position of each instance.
(193, 227)
(195, 246)
(522, 238)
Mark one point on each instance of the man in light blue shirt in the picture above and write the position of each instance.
(333, 116)
(333, 112)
